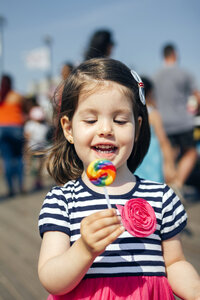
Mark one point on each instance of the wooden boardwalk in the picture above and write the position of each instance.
(20, 243)
(19, 248)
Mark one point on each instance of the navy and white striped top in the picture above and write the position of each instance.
(64, 207)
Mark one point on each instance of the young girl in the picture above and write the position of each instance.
(86, 252)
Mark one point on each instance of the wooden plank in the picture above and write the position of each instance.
(19, 248)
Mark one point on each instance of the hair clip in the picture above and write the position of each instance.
(140, 86)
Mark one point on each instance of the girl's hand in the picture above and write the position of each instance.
(99, 230)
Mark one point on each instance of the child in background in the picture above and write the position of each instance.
(158, 165)
(86, 253)
(35, 132)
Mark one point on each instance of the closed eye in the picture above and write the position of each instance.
(120, 122)
(90, 121)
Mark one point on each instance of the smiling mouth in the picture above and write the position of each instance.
(104, 148)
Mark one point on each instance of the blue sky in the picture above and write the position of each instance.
(140, 28)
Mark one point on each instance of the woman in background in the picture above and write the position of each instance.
(11, 135)
(158, 164)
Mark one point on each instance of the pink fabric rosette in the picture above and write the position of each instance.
(138, 217)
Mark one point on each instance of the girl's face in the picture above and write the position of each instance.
(103, 126)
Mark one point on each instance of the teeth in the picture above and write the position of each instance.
(104, 147)
(104, 150)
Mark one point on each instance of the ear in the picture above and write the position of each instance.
(67, 129)
(138, 128)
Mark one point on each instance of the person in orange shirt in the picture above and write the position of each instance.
(11, 135)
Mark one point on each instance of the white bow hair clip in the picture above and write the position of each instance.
(140, 86)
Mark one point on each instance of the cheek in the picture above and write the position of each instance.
(82, 138)
(129, 136)
(82, 134)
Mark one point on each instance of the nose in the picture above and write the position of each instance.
(105, 128)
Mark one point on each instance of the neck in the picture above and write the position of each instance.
(170, 60)
(123, 183)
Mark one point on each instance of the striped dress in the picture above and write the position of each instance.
(130, 267)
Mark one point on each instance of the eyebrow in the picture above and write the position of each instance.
(123, 110)
(94, 111)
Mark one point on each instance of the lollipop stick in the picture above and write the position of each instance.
(107, 197)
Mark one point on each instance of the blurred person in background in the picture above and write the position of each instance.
(56, 93)
(100, 44)
(35, 132)
(66, 69)
(173, 86)
(57, 87)
(11, 135)
(158, 165)
(29, 101)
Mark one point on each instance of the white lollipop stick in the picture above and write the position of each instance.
(107, 197)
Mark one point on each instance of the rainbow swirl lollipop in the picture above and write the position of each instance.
(101, 172)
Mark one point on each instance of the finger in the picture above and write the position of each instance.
(105, 222)
(105, 232)
(101, 245)
(99, 228)
(88, 221)
(101, 214)
(91, 239)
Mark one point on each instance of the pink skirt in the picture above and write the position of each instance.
(120, 288)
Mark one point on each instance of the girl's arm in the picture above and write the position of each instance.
(62, 267)
(182, 276)
(169, 169)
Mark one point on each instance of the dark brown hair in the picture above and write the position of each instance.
(168, 50)
(6, 87)
(99, 44)
(63, 163)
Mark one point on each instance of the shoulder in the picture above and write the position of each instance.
(67, 191)
(150, 186)
(149, 182)
(158, 191)
(55, 208)
(170, 213)
(63, 189)
(59, 205)
(157, 74)
(14, 97)
(183, 72)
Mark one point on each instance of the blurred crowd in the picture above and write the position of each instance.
(173, 101)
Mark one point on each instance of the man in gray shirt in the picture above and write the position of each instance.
(173, 86)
